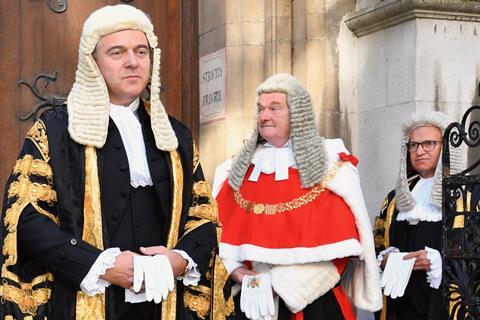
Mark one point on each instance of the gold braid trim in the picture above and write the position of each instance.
(196, 157)
(221, 308)
(38, 135)
(25, 297)
(194, 224)
(29, 166)
(204, 211)
(22, 294)
(36, 281)
(26, 192)
(29, 191)
(198, 302)
(91, 307)
(201, 189)
(272, 209)
(388, 221)
(169, 305)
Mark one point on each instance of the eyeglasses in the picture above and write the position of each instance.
(427, 145)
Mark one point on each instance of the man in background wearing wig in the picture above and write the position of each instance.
(410, 220)
(293, 216)
(107, 205)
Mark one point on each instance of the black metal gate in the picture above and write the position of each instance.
(461, 222)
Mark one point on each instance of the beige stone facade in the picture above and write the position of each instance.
(413, 55)
(263, 37)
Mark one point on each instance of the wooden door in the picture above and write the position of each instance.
(35, 40)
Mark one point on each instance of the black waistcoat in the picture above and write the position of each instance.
(133, 217)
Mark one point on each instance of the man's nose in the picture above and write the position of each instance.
(420, 149)
(131, 59)
(264, 115)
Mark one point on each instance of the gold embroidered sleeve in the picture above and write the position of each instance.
(204, 207)
(22, 192)
(38, 135)
(33, 186)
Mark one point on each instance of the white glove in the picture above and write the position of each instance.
(396, 274)
(256, 299)
(156, 272)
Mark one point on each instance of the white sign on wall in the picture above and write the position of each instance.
(212, 86)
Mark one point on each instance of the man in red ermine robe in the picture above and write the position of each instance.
(293, 215)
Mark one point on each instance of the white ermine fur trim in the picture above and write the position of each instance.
(327, 252)
(301, 284)
(88, 100)
(308, 146)
(360, 279)
(405, 200)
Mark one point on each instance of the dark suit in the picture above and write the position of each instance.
(131, 217)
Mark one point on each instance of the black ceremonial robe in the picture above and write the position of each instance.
(420, 301)
(64, 203)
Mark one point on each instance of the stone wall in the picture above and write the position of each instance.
(264, 37)
(411, 56)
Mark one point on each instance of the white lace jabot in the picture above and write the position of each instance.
(424, 210)
(269, 159)
(126, 120)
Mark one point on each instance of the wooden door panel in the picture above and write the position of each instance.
(36, 40)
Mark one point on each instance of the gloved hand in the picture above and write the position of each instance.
(156, 272)
(396, 274)
(407, 267)
(256, 299)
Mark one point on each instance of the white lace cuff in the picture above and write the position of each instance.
(92, 284)
(382, 254)
(192, 276)
(434, 276)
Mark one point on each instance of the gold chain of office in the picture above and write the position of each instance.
(274, 208)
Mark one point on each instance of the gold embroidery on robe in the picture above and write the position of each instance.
(201, 189)
(91, 307)
(27, 192)
(198, 301)
(220, 307)
(38, 135)
(169, 305)
(26, 298)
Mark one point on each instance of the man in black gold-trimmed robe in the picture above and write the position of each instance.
(106, 180)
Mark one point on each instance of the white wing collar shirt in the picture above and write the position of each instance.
(269, 159)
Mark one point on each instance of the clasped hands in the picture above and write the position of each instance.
(397, 269)
(154, 271)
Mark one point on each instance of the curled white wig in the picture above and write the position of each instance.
(88, 101)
